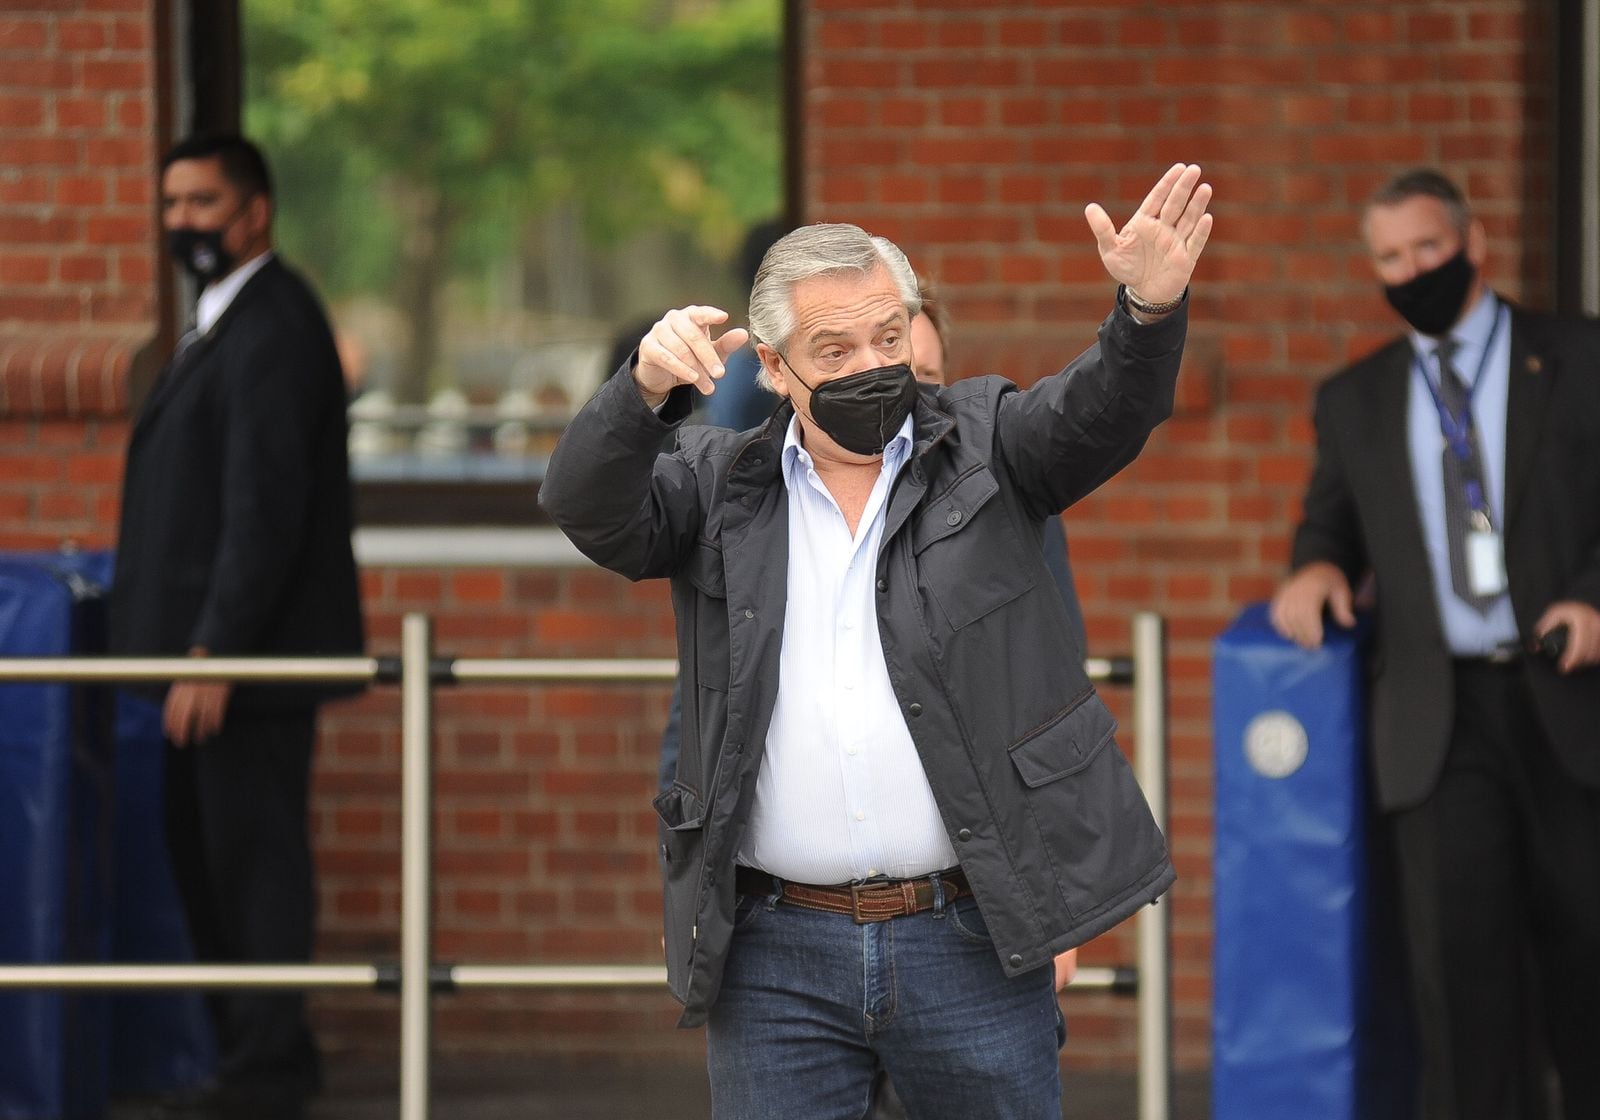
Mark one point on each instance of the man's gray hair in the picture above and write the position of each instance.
(820, 250)
(1425, 182)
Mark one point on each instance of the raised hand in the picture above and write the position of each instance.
(679, 350)
(1155, 253)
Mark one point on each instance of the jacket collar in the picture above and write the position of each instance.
(174, 373)
(218, 295)
(930, 426)
(1533, 371)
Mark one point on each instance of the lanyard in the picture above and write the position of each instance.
(1457, 430)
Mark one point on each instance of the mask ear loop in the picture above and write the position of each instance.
(753, 342)
(784, 358)
(809, 390)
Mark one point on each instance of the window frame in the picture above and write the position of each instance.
(201, 57)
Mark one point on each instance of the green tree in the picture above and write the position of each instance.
(427, 138)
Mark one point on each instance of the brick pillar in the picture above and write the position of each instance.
(77, 258)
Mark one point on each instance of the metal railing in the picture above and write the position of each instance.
(417, 977)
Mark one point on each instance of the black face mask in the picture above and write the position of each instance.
(863, 411)
(200, 251)
(1432, 301)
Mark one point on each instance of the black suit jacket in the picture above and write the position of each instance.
(236, 521)
(1361, 513)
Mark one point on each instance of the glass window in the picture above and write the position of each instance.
(488, 192)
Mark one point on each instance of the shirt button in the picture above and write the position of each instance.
(849, 750)
(953, 517)
(964, 835)
(860, 816)
(749, 614)
(915, 710)
(883, 585)
(1016, 960)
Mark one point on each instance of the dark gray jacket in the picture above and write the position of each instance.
(1038, 801)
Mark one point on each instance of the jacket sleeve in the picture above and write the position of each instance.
(275, 400)
(619, 501)
(1075, 429)
(1583, 361)
(1330, 529)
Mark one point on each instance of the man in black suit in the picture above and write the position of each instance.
(235, 540)
(1460, 466)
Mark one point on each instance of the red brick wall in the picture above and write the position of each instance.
(77, 258)
(973, 133)
(544, 836)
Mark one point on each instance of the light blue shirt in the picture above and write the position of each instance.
(1466, 632)
(842, 794)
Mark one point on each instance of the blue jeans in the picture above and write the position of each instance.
(812, 1004)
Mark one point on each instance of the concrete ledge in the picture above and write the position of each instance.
(466, 548)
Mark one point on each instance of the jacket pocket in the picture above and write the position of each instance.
(705, 570)
(1087, 809)
(682, 816)
(1066, 744)
(709, 612)
(967, 550)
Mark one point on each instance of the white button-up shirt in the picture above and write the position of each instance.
(842, 794)
(217, 296)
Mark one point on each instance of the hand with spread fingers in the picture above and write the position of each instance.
(679, 350)
(1154, 254)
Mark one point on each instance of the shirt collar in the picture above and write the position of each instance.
(795, 456)
(1471, 334)
(219, 294)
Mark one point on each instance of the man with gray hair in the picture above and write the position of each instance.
(884, 820)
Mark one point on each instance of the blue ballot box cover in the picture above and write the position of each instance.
(54, 848)
(1308, 1011)
(83, 863)
(161, 1042)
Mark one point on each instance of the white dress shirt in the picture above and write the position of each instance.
(842, 794)
(220, 293)
(1466, 632)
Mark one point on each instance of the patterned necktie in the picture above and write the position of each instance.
(185, 343)
(1458, 473)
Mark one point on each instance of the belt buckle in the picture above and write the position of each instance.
(855, 903)
(903, 887)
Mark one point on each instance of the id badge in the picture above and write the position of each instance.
(1486, 562)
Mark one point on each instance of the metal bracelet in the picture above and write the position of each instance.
(1144, 308)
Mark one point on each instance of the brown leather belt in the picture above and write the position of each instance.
(876, 900)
